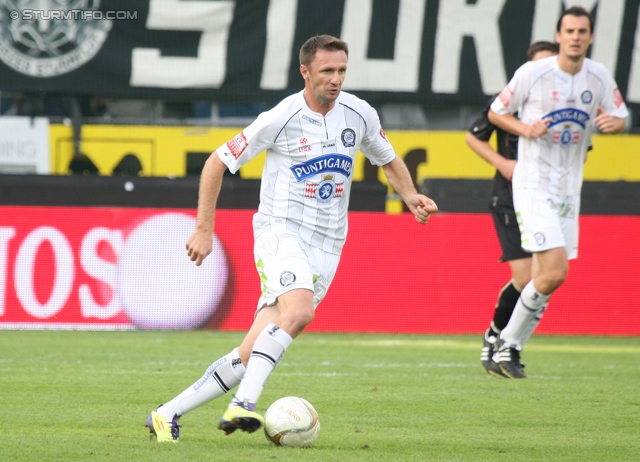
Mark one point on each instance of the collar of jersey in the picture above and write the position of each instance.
(566, 75)
(317, 114)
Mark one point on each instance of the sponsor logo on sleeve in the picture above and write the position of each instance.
(505, 96)
(618, 100)
(384, 137)
(237, 145)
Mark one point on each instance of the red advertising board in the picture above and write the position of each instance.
(125, 268)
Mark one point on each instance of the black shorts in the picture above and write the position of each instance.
(506, 226)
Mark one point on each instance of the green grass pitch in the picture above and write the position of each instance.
(84, 396)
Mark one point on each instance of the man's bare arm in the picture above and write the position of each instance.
(200, 243)
(400, 180)
(511, 124)
(483, 149)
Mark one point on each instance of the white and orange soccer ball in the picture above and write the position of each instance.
(291, 421)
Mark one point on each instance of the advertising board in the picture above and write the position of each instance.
(126, 268)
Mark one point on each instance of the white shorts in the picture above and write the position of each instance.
(286, 262)
(547, 221)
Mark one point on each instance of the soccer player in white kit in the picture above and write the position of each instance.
(311, 139)
(560, 99)
(504, 216)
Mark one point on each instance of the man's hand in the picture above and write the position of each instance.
(199, 245)
(538, 128)
(422, 207)
(607, 123)
(510, 124)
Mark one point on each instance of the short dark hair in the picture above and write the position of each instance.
(575, 11)
(542, 45)
(321, 42)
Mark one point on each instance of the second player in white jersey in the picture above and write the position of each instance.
(560, 100)
(569, 103)
(308, 171)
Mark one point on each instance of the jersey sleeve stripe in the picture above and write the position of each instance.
(602, 83)
(286, 123)
(539, 77)
(363, 119)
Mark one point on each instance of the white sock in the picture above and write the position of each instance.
(219, 378)
(268, 350)
(526, 335)
(528, 305)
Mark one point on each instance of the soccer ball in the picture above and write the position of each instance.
(291, 421)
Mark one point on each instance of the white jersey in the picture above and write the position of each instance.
(540, 90)
(308, 170)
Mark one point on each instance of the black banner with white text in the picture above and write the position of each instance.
(423, 51)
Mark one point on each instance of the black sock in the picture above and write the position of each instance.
(504, 308)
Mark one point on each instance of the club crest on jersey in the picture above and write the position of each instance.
(348, 138)
(568, 114)
(586, 97)
(329, 163)
(566, 137)
(325, 190)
